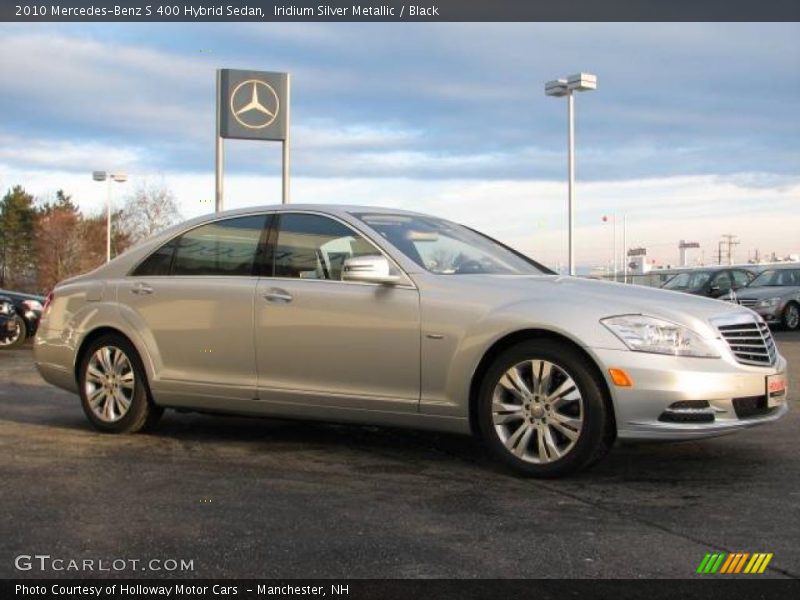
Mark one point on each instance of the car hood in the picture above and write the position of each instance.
(758, 293)
(600, 299)
(684, 290)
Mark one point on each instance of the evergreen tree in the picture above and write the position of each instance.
(17, 222)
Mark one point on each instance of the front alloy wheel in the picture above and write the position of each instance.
(537, 411)
(542, 409)
(791, 316)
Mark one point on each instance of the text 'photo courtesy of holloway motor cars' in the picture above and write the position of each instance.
(387, 317)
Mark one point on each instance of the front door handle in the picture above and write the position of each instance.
(141, 289)
(278, 296)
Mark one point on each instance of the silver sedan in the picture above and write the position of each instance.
(368, 315)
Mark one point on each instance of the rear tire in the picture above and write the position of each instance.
(16, 339)
(541, 410)
(113, 387)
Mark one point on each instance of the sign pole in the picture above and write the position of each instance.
(253, 105)
(220, 153)
(287, 144)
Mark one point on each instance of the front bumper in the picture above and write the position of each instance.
(771, 314)
(660, 381)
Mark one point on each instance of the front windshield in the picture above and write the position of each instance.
(446, 248)
(688, 281)
(777, 278)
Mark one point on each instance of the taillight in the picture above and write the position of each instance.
(48, 299)
(32, 305)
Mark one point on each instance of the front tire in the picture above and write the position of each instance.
(113, 387)
(542, 411)
(791, 317)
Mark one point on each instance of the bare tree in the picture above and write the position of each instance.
(93, 237)
(58, 241)
(147, 211)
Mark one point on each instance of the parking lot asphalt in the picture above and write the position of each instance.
(266, 498)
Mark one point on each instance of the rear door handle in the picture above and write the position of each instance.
(278, 296)
(141, 289)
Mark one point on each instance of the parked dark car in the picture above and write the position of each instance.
(712, 283)
(8, 318)
(28, 309)
(655, 278)
(775, 295)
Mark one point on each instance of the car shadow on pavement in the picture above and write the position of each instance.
(371, 449)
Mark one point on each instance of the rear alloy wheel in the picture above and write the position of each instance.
(17, 336)
(542, 411)
(791, 317)
(113, 388)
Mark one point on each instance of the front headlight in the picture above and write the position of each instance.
(648, 334)
(768, 302)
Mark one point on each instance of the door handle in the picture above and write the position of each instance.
(141, 289)
(277, 296)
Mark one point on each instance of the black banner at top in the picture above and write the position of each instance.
(398, 10)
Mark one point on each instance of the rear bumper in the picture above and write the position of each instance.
(661, 381)
(51, 357)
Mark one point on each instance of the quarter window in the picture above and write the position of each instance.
(227, 247)
(158, 263)
(315, 247)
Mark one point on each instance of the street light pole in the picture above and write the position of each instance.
(580, 82)
(571, 176)
(625, 248)
(615, 247)
(108, 220)
(119, 177)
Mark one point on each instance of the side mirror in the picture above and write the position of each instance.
(368, 269)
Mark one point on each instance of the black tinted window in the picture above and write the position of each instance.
(723, 281)
(741, 278)
(315, 247)
(158, 262)
(227, 247)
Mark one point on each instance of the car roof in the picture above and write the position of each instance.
(339, 210)
(335, 209)
(782, 267)
(23, 295)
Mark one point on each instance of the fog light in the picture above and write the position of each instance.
(620, 378)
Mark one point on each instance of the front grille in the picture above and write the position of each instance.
(751, 342)
(751, 406)
(748, 302)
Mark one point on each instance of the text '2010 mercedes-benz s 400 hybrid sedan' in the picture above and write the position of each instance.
(367, 315)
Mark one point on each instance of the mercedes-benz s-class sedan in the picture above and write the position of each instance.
(369, 315)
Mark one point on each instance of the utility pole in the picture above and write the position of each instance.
(731, 242)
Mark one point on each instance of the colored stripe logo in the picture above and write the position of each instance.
(733, 563)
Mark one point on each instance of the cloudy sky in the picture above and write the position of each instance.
(694, 131)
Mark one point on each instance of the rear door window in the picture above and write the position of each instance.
(229, 247)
